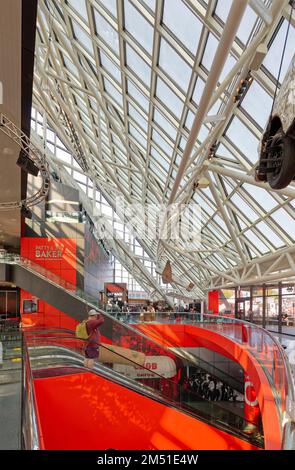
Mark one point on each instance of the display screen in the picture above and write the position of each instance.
(30, 306)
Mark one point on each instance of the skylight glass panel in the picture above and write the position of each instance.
(256, 94)
(204, 206)
(247, 24)
(109, 65)
(203, 133)
(188, 30)
(221, 223)
(150, 4)
(138, 136)
(189, 120)
(261, 196)
(248, 21)
(134, 92)
(182, 143)
(243, 207)
(159, 159)
(270, 234)
(228, 185)
(106, 32)
(222, 9)
(81, 104)
(209, 52)
(80, 7)
(243, 139)
(256, 241)
(138, 27)
(82, 37)
(64, 156)
(113, 92)
(138, 118)
(198, 91)
(215, 108)
(273, 58)
(165, 124)
(156, 169)
(285, 221)
(70, 66)
(111, 5)
(166, 95)
(242, 225)
(158, 139)
(138, 65)
(174, 66)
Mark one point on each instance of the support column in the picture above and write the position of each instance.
(202, 310)
(280, 312)
(263, 306)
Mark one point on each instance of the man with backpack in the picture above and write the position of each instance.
(91, 350)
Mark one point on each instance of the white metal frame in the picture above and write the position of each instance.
(120, 158)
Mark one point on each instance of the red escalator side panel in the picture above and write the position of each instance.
(85, 411)
(193, 336)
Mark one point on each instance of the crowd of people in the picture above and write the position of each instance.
(211, 388)
(150, 311)
(123, 311)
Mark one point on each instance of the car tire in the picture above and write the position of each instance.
(282, 178)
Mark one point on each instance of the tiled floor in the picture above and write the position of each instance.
(10, 416)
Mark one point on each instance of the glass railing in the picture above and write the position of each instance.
(258, 341)
(30, 434)
(116, 327)
(47, 352)
(236, 383)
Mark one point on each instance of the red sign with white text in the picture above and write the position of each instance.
(58, 256)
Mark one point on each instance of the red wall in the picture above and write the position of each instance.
(213, 301)
(57, 255)
(85, 411)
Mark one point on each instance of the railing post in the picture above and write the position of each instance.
(263, 306)
(280, 313)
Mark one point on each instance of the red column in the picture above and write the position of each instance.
(213, 301)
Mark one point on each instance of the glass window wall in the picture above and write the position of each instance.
(270, 306)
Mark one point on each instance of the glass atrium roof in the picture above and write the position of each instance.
(125, 79)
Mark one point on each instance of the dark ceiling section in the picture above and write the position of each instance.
(29, 19)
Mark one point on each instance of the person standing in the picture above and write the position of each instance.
(95, 320)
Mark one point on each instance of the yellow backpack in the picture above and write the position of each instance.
(81, 330)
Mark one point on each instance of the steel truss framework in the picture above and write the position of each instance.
(153, 109)
(24, 144)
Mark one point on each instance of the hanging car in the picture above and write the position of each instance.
(277, 149)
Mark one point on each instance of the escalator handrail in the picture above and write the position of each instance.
(155, 374)
(289, 385)
(29, 421)
(131, 384)
(29, 265)
(201, 363)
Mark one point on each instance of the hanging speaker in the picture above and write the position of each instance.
(27, 164)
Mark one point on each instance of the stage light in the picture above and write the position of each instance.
(27, 164)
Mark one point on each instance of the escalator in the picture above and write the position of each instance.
(156, 412)
(158, 359)
(74, 303)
